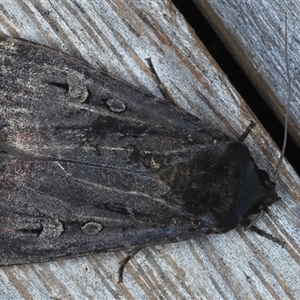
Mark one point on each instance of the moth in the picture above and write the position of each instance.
(89, 163)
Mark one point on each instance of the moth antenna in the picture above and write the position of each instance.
(288, 100)
(262, 212)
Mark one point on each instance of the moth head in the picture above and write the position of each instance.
(271, 196)
(220, 186)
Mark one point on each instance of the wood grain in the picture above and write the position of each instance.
(118, 35)
(255, 35)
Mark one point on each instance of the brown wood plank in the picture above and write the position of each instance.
(118, 35)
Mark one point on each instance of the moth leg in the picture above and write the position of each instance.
(250, 226)
(247, 131)
(267, 235)
(259, 215)
(124, 262)
(160, 85)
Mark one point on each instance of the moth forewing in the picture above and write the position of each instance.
(89, 163)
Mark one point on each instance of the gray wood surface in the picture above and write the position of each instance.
(254, 32)
(118, 35)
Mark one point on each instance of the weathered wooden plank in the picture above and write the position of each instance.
(255, 34)
(118, 36)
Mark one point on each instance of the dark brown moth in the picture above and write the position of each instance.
(88, 163)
